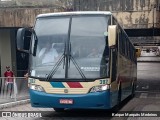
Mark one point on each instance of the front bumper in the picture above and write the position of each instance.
(97, 100)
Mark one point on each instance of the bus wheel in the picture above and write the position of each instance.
(59, 109)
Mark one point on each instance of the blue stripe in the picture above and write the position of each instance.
(57, 84)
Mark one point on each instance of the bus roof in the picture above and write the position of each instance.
(75, 13)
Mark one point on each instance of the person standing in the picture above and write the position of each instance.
(9, 80)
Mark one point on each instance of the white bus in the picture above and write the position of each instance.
(76, 78)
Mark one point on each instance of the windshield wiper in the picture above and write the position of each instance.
(62, 59)
(78, 68)
(58, 63)
(55, 67)
(75, 63)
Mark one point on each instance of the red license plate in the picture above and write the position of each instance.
(66, 101)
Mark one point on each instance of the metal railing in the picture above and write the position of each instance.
(13, 91)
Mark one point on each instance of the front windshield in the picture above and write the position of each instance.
(88, 47)
(52, 35)
(71, 47)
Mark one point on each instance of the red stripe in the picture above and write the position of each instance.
(74, 85)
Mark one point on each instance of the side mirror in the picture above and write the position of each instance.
(112, 34)
(23, 39)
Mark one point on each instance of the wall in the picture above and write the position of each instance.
(33, 3)
(130, 13)
(18, 17)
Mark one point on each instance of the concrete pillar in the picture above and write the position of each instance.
(7, 50)
(13, 49)
(0, 56)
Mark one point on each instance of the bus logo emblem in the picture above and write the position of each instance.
(65, 90)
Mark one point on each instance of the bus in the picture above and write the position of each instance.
(74, 79)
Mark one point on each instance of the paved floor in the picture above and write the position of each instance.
(148, 57)
(26, 107)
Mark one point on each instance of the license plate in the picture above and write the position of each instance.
(66, 101)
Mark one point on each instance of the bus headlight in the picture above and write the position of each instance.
(100, 88)
(36, 87)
